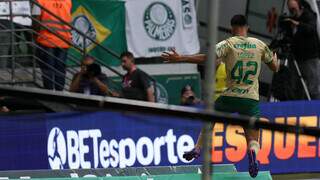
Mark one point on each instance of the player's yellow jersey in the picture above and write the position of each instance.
(243, 56)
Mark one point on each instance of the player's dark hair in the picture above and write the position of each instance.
(238, 20)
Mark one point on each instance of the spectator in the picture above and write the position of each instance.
(52, 51)
(188, 97)
(136, 84)
(305, 44)
(90, 80)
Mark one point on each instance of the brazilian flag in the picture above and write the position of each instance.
(103, 21)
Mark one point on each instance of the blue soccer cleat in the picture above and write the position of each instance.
(253, 163)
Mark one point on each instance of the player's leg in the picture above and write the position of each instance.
(253, 147)
(247, 107)
(252, 136)
(220, 105)
(195, 152)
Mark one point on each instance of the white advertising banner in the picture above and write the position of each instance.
(18, 8)
(154, 26)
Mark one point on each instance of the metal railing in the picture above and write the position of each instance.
(83, 51)
(34, 74)
(124, 105)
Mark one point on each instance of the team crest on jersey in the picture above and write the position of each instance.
(159, 21)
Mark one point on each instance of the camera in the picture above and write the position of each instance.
(283, 40)
(190, 100)
(283, 24)
(92, 70)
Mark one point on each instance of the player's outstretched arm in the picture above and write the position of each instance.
(173, 56)
(275, 64)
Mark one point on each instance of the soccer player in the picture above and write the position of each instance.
(242, 56)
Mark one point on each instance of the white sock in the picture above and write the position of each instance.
(255, 146)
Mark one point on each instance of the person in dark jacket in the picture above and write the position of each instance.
(90, 80)
(136, 84)
(305, 44)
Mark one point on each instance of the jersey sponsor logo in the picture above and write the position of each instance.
(246, 55)
(159, 21)
(238, 90)
(245, 46)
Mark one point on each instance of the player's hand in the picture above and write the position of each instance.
(275, 57)
(171, 56)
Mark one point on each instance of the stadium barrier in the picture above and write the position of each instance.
(142, 129)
